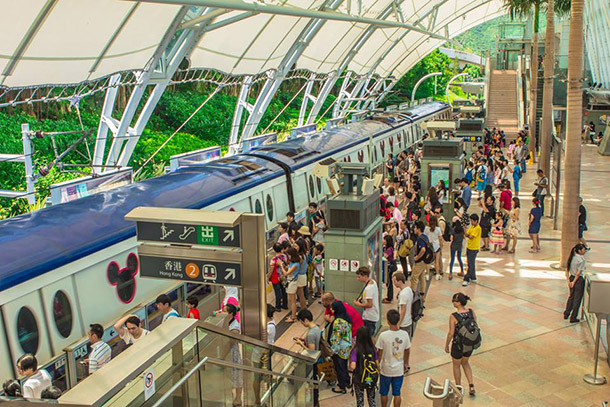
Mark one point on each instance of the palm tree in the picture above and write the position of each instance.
(546, 129)
(571, 179)
(522, 9)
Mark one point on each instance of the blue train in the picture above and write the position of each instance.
(64, 267)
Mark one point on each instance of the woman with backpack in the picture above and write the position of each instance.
(340, 340)
(461, 323)
(364, 367)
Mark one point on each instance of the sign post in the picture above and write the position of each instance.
(207, 247)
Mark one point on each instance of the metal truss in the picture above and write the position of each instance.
(345, 98)
(177, 44)
(273, 82)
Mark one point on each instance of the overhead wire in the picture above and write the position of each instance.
(179, 128)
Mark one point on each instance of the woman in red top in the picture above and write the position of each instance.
(274, 277)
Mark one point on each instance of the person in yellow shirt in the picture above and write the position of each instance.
(473, 234)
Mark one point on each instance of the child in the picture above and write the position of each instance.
(318, 264)
(191, 304)
(275, 277)
(497, 233)
(393, 348)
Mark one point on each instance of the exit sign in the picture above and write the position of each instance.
(207, 235)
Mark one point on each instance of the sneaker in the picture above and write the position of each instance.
(438, 277)
(574, 321)
(587, 248)
(465, 284)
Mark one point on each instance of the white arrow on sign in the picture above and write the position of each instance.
(230, 274)
(229, 234)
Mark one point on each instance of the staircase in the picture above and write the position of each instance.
(502, 107)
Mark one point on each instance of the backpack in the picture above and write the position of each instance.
(325, 349)
(468, 331)
(366, 374)
(428, 257)
(417, 307)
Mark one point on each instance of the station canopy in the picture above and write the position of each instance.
(48, 42)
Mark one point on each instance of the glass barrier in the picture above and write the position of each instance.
(199, 364)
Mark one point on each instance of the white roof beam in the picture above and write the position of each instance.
(294, 12)
(27, 38)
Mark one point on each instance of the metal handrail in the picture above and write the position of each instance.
(251, 341)
(430, 384)
(448, 388)
(224, 363)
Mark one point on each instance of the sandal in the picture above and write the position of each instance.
(472, 392)
(290, 320)
(339, 390)
(450, 276)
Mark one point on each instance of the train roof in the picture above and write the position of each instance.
(36, 243)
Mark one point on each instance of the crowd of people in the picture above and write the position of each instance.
(418, 228)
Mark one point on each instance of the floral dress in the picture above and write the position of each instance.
(514, 227)
(341, 338)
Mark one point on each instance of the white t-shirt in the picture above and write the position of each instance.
(271, 330)
(405, 297)
(36, 383)
(393, 344)
(172, 314)
(434, 237)
(371, 292)
(128, 338)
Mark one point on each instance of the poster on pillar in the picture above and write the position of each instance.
(372, 254)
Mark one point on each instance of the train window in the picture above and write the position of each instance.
(312, 189)
(319, 181)
(258, 208)
(375, 153)
(269, 208)
(62, 313)
(27, 331)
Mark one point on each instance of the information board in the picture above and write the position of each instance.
(191, 270)
(298, 131)
(81, 187)
(189, 234)
(440, 174)
(194, 157)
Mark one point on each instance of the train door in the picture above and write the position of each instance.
(299, 188)
(26, 329)
(63, 314)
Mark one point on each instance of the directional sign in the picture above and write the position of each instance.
(189, 234)
(474, 139)
(191, 270)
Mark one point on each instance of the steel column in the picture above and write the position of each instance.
(273, 83)
(102, 130)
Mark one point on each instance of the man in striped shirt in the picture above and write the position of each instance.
(100, 351)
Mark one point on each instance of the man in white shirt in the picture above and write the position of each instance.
(393, 348)
(129, 329)
(369, 300)
(164, 304)
(405, 300)
(37, 380)
(100, 351)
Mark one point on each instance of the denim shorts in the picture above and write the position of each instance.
(386, 381)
